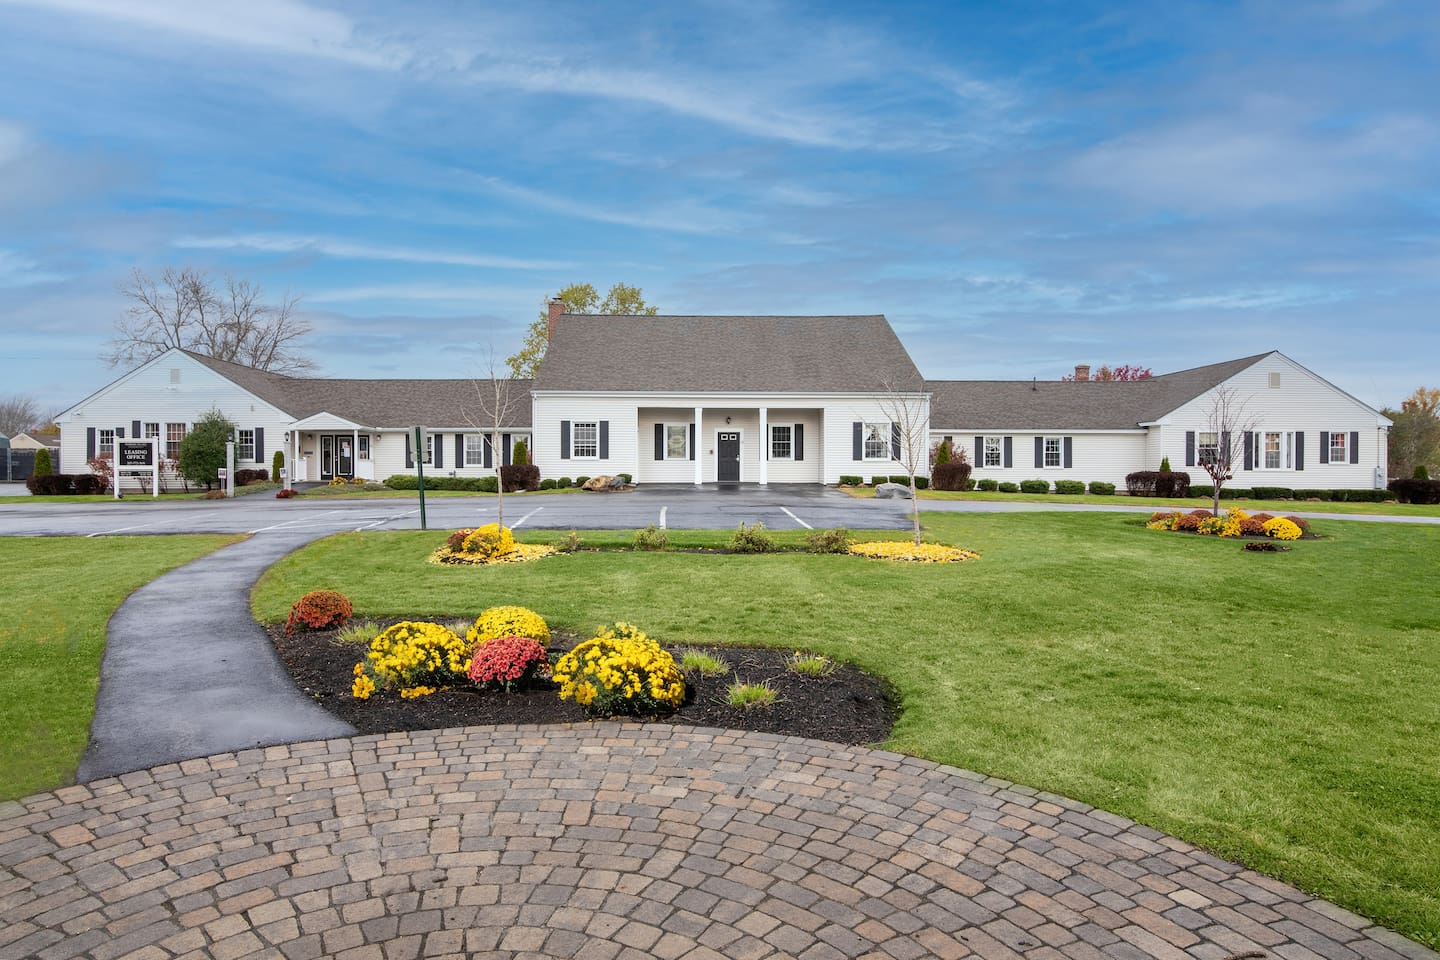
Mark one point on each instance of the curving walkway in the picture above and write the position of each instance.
(620, 841)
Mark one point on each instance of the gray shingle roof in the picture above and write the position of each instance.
(726, 354)
(1088, 405)
(376, 403)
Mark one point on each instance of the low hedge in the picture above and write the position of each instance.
(849, 480)
(1034, 486)
(1285, 493)
(1157, 483)
(243, 477)
(405, 481)
(60, 484)
(1101, 489)
(1008, 487)
(988, 485)
(1069, 487)
(1416, 491)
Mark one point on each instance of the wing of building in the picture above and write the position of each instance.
(749, 399)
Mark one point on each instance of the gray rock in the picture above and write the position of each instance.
(617, 483)
(892, 491)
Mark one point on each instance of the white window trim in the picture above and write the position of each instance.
(887, 435)
(184, 431)
(103, 447)
(240, 446)
(152, 431)
(575, 440)
(1059, 453)
(478, 450)
(665, 434)
(1344, 448)
(985, 463)
(1200, 446)
(789, 442)
(1259, 458)
(362, 452)
(429, 450)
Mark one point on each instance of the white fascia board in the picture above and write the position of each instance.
(1038, 431)
(336, 422)
(768, 399)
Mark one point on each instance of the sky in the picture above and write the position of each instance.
(1019, 187)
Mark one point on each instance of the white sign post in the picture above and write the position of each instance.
(137, 456)
(229, 476)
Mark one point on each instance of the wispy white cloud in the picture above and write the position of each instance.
(483, 297)
(683, 217)
(349, 250)
(20, 271)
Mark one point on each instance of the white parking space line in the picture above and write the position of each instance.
(387, 520)
(106, 533)
(796, 519)
(662, 517)
(307, 521)
(527, 516)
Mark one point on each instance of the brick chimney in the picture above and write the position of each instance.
(557, 307)
(1082, 370)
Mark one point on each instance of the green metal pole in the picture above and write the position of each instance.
(420, 471)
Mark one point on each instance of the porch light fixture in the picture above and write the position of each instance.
(727, 419)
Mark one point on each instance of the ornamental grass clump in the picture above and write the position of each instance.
(508, 622)
(811, 665)
(705, 664)
(751, 696)
(509, 663)
(417, 657)
(912, 552)
(620, 671)
(318, 610)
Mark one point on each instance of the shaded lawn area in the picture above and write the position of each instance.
(1278, 709)
(1278, 507)
(60, 593)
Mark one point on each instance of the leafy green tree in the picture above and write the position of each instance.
(1415, 435)
(277, 463)
(43, 467)
(521, 455)
(202, 452)
(622, 300)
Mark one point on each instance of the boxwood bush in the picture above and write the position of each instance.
(1069, 487)
(1034, 486)
(1008, 487)
(1102, 489)
(849, 480)
(988, 485)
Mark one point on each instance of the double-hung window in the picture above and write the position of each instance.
(1207, 447)
(363, 452)
(677, 441)
(782, 441)
(1054, 452)
(993, 455)
(106, 447)
(474, 450)
(245, 446)
(174, 433)
(877, 441)
(1272, 450)
(152, 431)
(1338, 453)
(429, 448)
(585, 439)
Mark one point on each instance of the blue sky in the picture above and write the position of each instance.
(1019, 186)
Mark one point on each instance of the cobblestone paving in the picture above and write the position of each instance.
(620, 841)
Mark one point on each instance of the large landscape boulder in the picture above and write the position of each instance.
(599, 483)
(892, 491)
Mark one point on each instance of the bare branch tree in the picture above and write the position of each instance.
(1223, 439)
(182, 309)
(18, 413)
(496, 401)
(909, 441)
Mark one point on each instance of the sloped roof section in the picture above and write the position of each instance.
(381, 403)
(684, 354)
(1084, 405)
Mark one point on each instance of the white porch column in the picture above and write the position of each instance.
(355, 455)
(764, 446)
(699, 449)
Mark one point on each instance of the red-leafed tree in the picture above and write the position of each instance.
(1123, 372)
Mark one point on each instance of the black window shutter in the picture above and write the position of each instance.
(978, 460)
(409, 454)
(1069, 448)
(259, 444)
(489, 449)
(1299, 451)
(858, 431)
(1324, 446)
(89, 443)
(797, 442)
(1039, 451)
(459, 450)
(437, 449)
(1009, 452)
(564, 439)
(604, 439)
(895, 441)
(135, 429)
(1249, 440)
(1189, 448)
(119, 433)
(659, 441)
(505, 458)
(1354, 446)
(692, 441)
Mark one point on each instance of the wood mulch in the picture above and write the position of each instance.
(846, 706)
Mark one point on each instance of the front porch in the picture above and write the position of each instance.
(729, 445)
(323, 447)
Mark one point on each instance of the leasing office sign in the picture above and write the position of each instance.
(137, 456)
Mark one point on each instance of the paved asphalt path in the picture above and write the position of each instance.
(675, 507)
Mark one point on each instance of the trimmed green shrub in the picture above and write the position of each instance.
(988, 485)
(547, 484)
(1421, 472)
(904, 481)
(1306, 494)
(836, 540)
(51, 485)
(626, 477)
(277, 463)
(581, 481)
(43, 467)
(922, 483)
(752, 539)
(487, 484)
(202, 451)
(1164, 464)
(651, 538)
(1008, 487)
(1416, 491)
(1102, 489)
(852, 481)
(1034, 486)
(520, 455)
(1273, 493)
(1069, 487)
(562, 483)
(876, 481)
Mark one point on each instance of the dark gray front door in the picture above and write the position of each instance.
(727, 453)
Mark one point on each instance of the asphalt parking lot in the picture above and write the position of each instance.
(677, 507)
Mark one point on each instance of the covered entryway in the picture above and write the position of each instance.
(730, 444)
(337, 456)
(727, 456)
(324, 446)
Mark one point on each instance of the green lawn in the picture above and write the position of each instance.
(60, 593)
(1171, 503)
(1279, 709)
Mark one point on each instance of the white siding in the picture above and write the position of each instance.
(1103, 456)
(153, 394)
(1302, 403)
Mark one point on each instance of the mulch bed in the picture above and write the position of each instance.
(847, 706)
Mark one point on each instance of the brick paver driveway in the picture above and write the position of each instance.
(619, 841)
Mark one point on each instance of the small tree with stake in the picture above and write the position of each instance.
(908, 414)
(1225, 418)
(495, 402)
